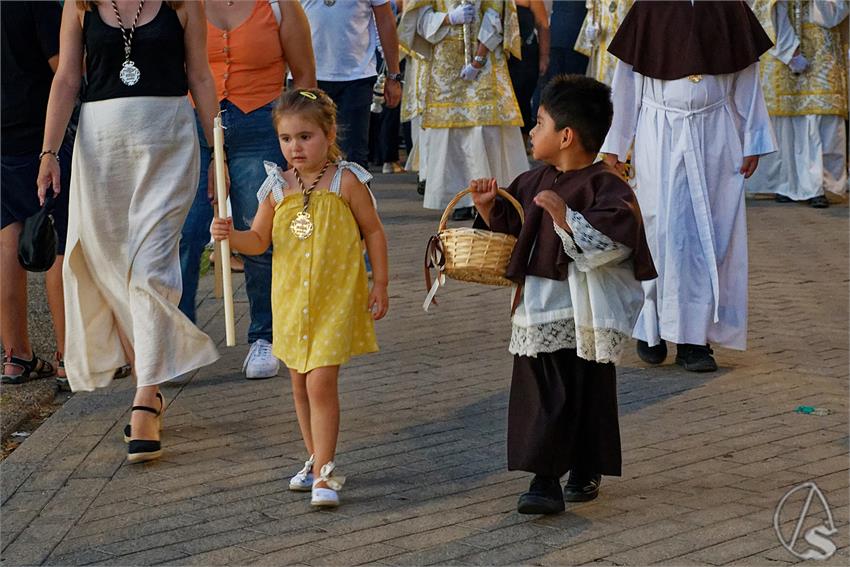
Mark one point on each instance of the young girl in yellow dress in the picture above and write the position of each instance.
(315, 214)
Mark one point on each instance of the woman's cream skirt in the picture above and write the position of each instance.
(134, 176)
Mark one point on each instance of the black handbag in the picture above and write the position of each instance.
(37, 242)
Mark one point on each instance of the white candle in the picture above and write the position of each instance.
(224, 257)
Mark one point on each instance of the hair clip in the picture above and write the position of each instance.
(308, 94)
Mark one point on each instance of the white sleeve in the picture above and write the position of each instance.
(589, 248)
(490, 32)
(429, 24)
(787, 41)
(758, 137)
(626, 94)
(829, 13)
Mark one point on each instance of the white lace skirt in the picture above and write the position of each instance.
(134, 175)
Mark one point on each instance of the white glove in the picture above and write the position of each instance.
(463, 14)
(798, 64)
(469, 73)
(591, 32)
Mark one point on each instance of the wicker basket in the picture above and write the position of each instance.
(471, 254)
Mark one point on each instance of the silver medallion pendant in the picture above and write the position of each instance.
(129, 74)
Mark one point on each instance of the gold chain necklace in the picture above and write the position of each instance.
(302, 225)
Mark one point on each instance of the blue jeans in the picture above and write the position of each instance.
(249, 139)
(353, 99)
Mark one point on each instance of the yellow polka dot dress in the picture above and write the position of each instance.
(320, 292)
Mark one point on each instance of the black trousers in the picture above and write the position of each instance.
(384, 135)
(563, 415)
(352, 99)
(524, 76)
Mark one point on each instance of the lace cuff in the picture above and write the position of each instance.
(274, 183)
(588, 247)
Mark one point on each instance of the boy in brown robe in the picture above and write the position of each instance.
(578, 262)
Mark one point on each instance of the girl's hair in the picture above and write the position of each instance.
(314, 105)
(87, 5)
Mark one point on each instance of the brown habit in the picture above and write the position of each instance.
(597, 192)
(674, 39)
(562, 413)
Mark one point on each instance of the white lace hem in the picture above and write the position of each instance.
(601, 345)
(593, 344)
(545, 337)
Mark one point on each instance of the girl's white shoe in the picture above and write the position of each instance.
(327, 497)
(303, 480)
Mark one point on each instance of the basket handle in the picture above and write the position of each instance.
(502, 193)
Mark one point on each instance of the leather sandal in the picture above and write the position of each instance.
(128, 432)
(31, 369)
(142, 450)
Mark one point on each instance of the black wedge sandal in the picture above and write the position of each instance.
(128, 431)
(142, 450)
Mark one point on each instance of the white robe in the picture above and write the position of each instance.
(690, 139)
(811, 156)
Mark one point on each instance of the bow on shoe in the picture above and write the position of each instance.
(326, 475)
(308, 466)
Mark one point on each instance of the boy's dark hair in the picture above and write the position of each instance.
(581, 103)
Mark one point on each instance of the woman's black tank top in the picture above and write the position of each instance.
(158, 52)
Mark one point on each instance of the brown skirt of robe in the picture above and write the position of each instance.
(563, 415)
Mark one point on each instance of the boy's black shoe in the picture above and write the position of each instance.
(543, 497)
(782, 198)
(582, 487)
(652, 354)
(819, 202)
(420, 187)
(695, 358)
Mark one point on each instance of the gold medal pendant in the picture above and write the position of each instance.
(302, 225)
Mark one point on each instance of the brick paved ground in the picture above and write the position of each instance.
(706, 458)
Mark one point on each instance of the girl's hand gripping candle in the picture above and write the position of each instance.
(224, 257)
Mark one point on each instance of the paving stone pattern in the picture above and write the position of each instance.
(706, 457)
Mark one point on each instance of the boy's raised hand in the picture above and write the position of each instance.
(484, 192)
(549, 201)
(221, 228)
